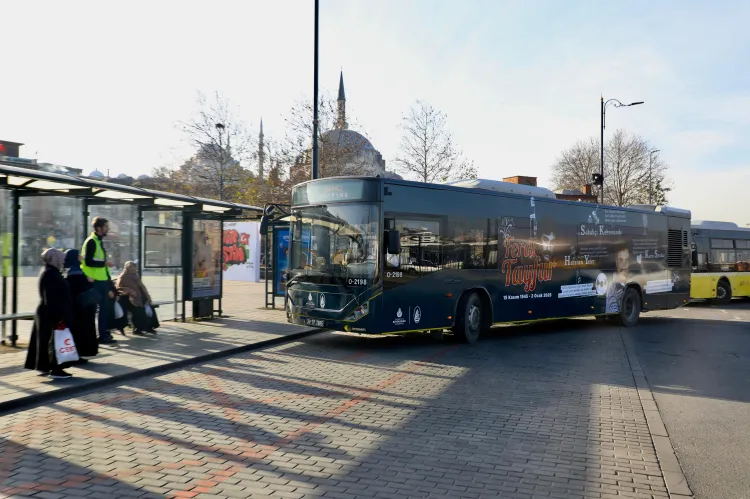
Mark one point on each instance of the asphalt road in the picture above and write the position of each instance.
(697, 361)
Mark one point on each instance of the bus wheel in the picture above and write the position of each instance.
(631, 307)
(469, 323)
(723, 293)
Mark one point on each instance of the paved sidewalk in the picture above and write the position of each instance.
(533, 412)
(248, 323)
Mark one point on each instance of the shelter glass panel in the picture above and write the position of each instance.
(161, 282)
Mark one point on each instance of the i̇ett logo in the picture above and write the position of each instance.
(399, 320)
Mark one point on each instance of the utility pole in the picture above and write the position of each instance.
(220, 128)
(604, 104)
(315, 99)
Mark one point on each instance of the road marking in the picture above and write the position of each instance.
(725, 311)
(738, 318)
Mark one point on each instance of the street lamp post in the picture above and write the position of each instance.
(650, 185)
(615, 103)
(315, 99)
(220, 128)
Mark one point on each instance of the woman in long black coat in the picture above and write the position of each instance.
(83, 327)
(54, 307)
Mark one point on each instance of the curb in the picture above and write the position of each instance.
(63, 393)
(677, 485)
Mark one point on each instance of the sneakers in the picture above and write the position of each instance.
(59, 374)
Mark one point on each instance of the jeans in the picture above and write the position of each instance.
(105, 308)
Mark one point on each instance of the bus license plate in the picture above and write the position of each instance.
(314, 322)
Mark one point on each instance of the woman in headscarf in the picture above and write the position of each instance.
(54, 307)
(85, 300)
(130, 286)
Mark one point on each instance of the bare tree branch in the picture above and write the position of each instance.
(626, 169)
(223, 153)
(427, 151)
(340, 151)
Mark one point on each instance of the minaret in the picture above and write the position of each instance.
(261, 151)
(341, 122)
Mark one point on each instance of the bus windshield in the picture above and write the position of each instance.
(335, 244)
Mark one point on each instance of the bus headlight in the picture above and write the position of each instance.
(359, 312)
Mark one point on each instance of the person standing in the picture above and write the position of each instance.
(96, 266)
(85, 300)
(54, 307)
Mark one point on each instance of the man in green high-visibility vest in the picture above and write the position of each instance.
(96, 267)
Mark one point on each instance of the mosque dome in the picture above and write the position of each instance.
(346, 138)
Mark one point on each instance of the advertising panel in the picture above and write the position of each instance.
(207, 253)
(241, 250)
(281, 253)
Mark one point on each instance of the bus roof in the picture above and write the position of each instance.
(716, 225)
(481, 186)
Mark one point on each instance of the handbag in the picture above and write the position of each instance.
(119, 312)
(149, 310)
(65, 347)
(88, 298)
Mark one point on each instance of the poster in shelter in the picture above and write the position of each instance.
(241, 250)
(206, 277)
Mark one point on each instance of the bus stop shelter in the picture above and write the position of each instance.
(189, 246)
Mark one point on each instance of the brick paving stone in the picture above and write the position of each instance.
(525, 414)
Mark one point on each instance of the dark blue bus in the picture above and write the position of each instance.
(374, 255)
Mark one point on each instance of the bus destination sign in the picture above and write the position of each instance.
(327, 191)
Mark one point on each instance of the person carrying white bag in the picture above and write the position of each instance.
(55, 308)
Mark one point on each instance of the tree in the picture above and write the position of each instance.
(427, 151)
(339, 152)
(659, 194)
(575, 166)
(224, 149)
(628, 175)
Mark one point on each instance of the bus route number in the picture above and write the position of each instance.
(394, 274)
(356, 281)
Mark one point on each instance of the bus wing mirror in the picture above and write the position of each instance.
(394, 242)
(694, 255)
(263, 225)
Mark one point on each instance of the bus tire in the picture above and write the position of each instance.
(630, 310)
(723, 292)
(469, 319)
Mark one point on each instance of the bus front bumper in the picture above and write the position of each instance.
(355, 320)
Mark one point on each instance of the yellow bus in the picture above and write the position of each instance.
(721, 261)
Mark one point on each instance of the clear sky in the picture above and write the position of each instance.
(101, 85)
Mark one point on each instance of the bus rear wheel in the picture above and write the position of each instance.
(469, 319)
(723, 293)
(630, 310)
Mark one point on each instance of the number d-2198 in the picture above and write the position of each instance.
(356, 281)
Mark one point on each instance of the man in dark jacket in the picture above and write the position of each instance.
(96, 266)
